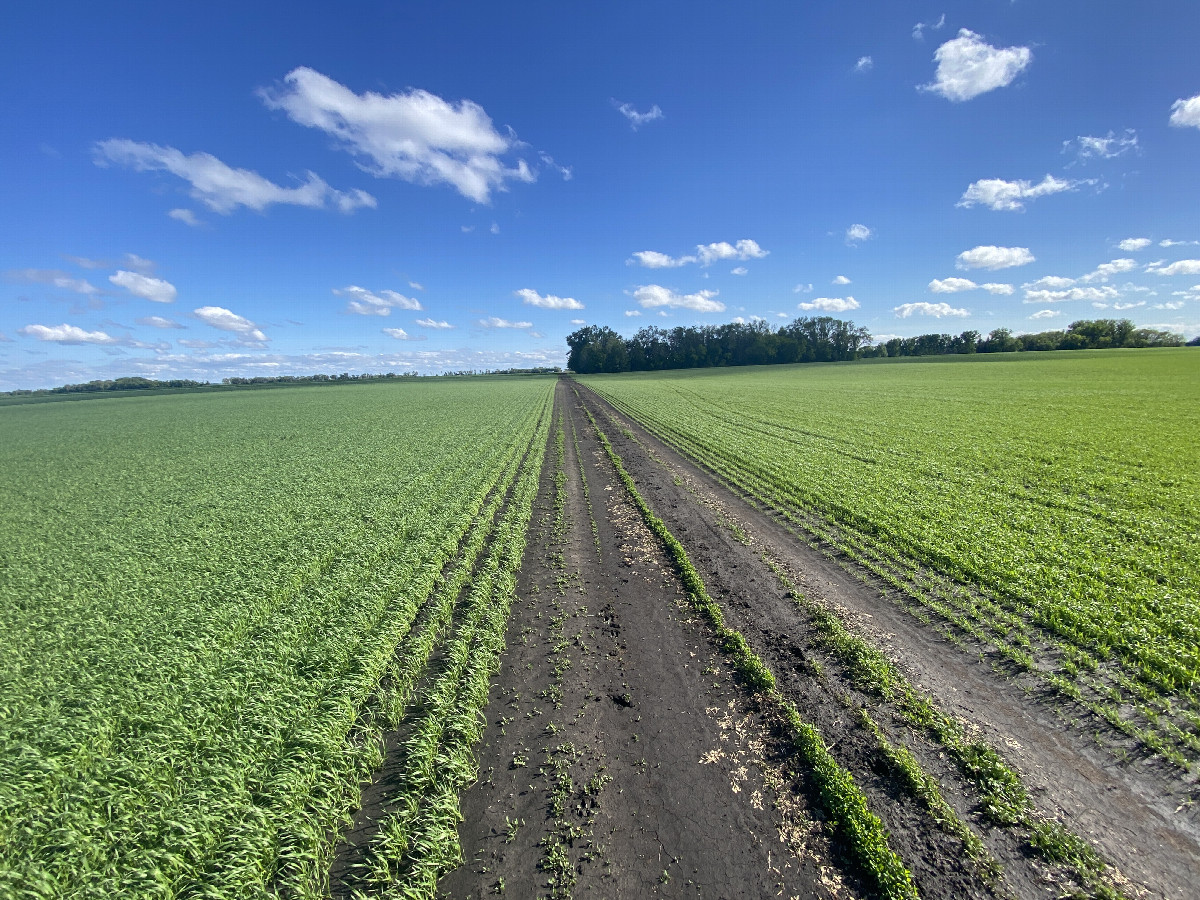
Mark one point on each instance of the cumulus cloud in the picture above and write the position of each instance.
(937, 310)
(967, 66)
(637, 119)
(951, 285)
(227, 320)
(655, 295)
(53, 277)
(1111, 145)
(433, 323)
(992, 257)
(919, 29)
(1049, 282)
(415, 135)
(1123, 306)
(841, 279)
(579, 321)
(1105, 271)
(1036, 295)
(533, 298)
(739, 270)
(362, 302)
(158, 322)
(186, 216)
(864, 64)
(993, 288)
(857, 233)
(998, 194)
(497, 322)
(1170, 304)
(633, 312)
(66, 334)
(155, 289)
(830, 304)
(1182, 267)
(1186, 113)
(705, 255)
(1045, 314)
(222, 188)
(1132, 245)
(400, 334)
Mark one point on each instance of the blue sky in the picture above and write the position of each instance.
(240, 189)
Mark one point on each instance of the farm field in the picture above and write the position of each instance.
(835, 631)
(215, 605)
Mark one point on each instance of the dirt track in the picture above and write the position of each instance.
(621, 758)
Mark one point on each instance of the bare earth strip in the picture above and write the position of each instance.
(1137, 813)
(620, 757)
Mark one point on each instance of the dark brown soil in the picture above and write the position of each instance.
(1138, 813)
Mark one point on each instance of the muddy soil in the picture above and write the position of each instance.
(620, 758)
(1137, 812)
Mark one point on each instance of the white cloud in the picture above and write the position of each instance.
(495, 229)
(467, 229)
(138, 263)
(1170, 243)
(84, 263)
(864, 64)
(415, 135)
(143, 286)
(706, 255)
(533, 298)
(637, 119)
(937, 310)
(433, 323)
(1049, 282)
(1182, 267)
(743, 249)
(1105, 271)
(398, 333)
(1132, 245)
(1170, 304)
(919, 29)
(1046, 314)
(1106, 147)
(802, 288)
(416, 286)
(66, 334)
(951, 285)
(841, 279)
(739, 270)
(158, 322)
(1186, 113)
(633, 312)
(654, 295)
(968, 67)
(222, 188)
(55, 277)
(497, 322)
(997, 194)
(1108, 292)
(830, 304)
(1122, 306)
(992, 258)
(993, 288)
(856, 233)
(186, 216)
(579, 321)
(362, 302)
(226, 320)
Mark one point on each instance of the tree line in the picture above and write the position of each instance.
(598, 348)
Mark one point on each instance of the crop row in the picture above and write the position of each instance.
(209, 606)
(1020, 503)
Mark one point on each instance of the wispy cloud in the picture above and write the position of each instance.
(1107, 270)
(638, 119)
(1112, 145)
(918, 32)
(857, 233)
(158, 322)
(223, 188)
(186, 216)
(998, 194)
(433, 323)
(967, 66)
(58, 279)
(401, 335)
(227, 320)
(865, 64)
(533, 298)
(413, 135)
(705, 255)
(497, 322)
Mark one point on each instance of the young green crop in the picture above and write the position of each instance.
(1046, 504)
(201, 595)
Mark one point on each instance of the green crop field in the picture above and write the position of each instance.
(1047, 505)
(213, 605)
